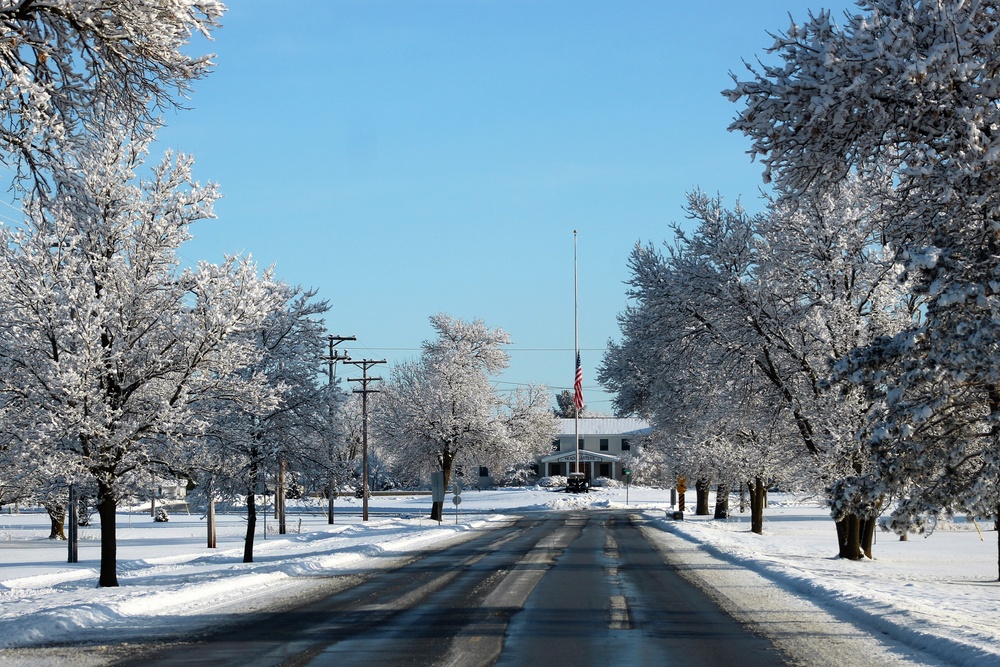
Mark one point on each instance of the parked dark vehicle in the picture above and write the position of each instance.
(577, 483)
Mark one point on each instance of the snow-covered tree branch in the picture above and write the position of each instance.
(908, 89)
(72, 67)
(441, 410)
(107, 346)
(732, 333)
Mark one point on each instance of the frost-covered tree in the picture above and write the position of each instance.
(566, 405)
(330, 464)
(17, 472)
(27, 475)
(74, 67)
(648, 463)
(441, 410)
(746, 307)
(247, 444)
(347, 459)
(107, 346)
(682, 362)
(908, 88)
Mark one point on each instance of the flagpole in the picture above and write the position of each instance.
(576, 349)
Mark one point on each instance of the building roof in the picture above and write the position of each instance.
(585, 456)
(606, 426)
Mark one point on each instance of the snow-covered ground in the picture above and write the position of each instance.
(938, 595)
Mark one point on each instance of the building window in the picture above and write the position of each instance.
(579, 443)
(555, 445)
(604, 444)
(484, 471)
(626, 445)
(605, 470)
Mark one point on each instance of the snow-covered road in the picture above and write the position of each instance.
(930, 601)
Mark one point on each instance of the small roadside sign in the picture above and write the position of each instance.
(437, 486)
(457, 498)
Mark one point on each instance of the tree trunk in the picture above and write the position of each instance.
(856, 536)
(279, 498)
(758, 501)
(842, 527)
(57, 519)
(106, 509)
(251, 511)
(849, 537)
(996, 527)
(331, 497)
(251, 528)
(702, 487)
(722, 501)
(867, 534)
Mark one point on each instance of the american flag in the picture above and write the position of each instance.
(578, 385)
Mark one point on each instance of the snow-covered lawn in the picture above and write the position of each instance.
(939, 592)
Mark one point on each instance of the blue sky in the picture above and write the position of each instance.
(408, 157)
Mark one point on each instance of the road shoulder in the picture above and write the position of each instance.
(807, 633)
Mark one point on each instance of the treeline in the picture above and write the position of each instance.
(117, 364)
(845, 340)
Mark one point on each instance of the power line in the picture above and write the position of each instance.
(591, 387)
(517, 385)
(511, 348)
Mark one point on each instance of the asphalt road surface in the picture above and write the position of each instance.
(561, 589)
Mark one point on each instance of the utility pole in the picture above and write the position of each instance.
(331, 359)
(364, 365)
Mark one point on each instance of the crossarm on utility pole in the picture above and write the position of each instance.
(333, 357)
(365, 380)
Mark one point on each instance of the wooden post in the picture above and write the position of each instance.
(211, 512)
(73, 527)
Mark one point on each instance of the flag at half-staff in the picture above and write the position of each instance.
(578, 385)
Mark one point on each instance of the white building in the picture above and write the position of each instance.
(602, 445)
